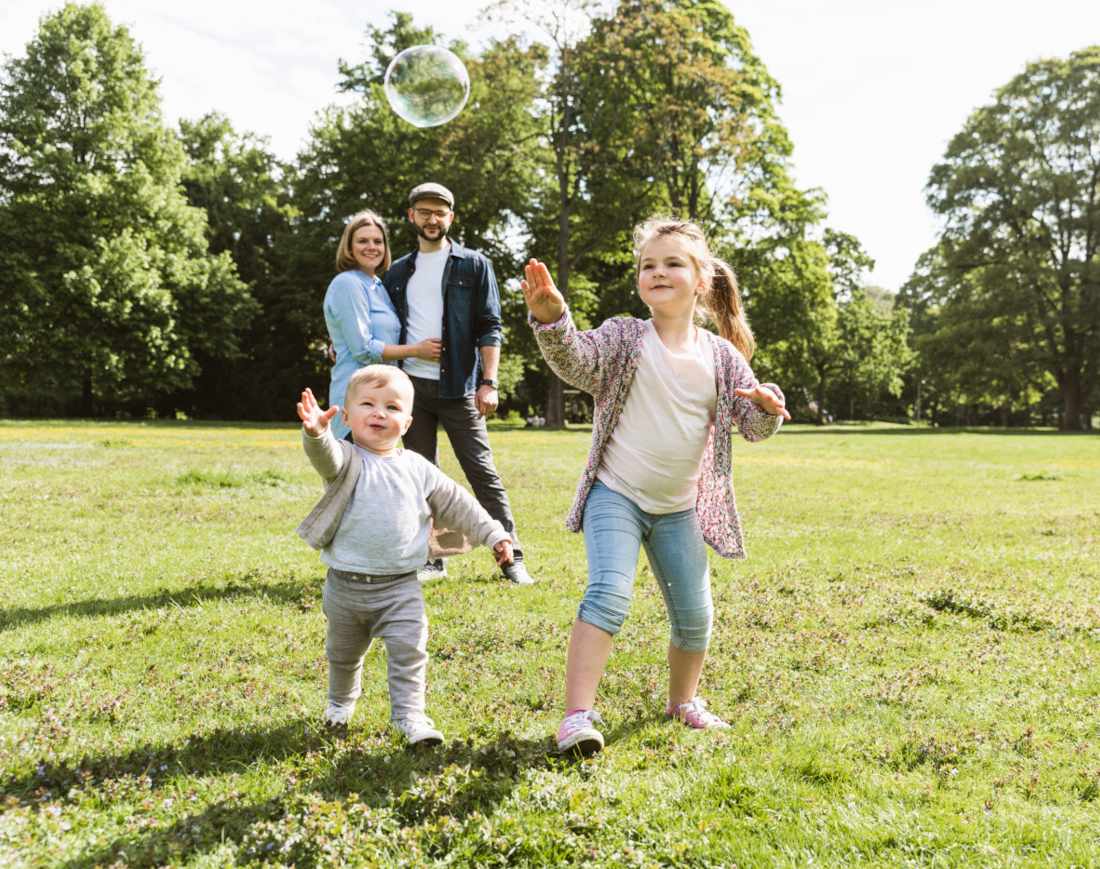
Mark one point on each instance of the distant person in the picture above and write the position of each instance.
(362, 324)
(668, 398)
(375, 525)
(444, 292)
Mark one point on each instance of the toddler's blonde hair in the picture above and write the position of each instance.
(379, 375)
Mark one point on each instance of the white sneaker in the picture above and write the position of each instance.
(576, 732)
(432, 570)
(419, 729)
(339, 713)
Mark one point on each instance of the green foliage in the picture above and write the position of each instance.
(1020, 250)
(365, 156)
(195, 282)
(106, 285)
(238, 182)
(911, 679)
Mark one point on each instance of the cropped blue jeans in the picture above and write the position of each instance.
(615, 528)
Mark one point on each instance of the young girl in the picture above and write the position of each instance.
(668, 396)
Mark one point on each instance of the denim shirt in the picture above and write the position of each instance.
(471, 314)
(361, 322)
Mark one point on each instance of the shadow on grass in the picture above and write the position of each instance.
(218, 751)
(180, 424)
(938, 431)
(289, 591)
(338, 782)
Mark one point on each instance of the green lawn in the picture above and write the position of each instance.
(906, 658)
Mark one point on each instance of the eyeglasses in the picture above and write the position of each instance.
(426, 213)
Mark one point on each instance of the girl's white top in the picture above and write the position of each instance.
(655, 453)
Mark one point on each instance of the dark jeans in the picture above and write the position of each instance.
(469, 439)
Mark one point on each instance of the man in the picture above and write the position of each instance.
(441, 290)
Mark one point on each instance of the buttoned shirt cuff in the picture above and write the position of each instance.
(377, 348)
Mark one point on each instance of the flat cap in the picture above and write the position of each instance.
(431, 191)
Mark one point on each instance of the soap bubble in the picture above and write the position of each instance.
(427, 85)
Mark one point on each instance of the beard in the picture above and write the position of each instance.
(422, 231)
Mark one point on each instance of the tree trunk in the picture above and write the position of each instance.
(555, 403)
(87, 407)
(821, 396)
(1073, 404)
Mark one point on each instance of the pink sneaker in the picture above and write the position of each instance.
(694, 714)
(577, 732)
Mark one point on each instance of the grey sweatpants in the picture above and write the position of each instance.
(358, 613)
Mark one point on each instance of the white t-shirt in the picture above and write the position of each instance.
(655, 452)
(425, 301)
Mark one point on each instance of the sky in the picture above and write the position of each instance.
(873, 90)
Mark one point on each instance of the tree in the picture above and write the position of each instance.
(1019, 189)
(650, 104)
(587, 127)
(236, 180)
(706, 102)
(873, 351)
(970, 351)
(106, 285)
(825, 340)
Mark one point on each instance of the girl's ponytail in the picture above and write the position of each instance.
(722, 303)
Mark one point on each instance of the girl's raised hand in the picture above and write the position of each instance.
(542, 297)
(766, 399)
(314, 420)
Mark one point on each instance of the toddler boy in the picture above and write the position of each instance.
(374, 527)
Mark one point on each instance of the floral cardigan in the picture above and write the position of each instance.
(602, 362)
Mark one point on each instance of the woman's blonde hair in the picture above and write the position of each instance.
(344, 258)
(721, 303)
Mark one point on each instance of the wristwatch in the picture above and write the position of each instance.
(489, 381)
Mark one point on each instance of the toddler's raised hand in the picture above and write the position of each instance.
(542, 297)
(314, 420)
(765, 398)
(503, 551)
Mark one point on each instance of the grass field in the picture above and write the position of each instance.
(906, 658)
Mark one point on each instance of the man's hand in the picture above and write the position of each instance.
(429, 349)
(765, 398)
(503, 552)
(542, 297)
(314, 420)
(487, 401)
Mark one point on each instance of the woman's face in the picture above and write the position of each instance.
(368, 247)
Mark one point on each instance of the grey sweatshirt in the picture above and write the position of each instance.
(386, 525)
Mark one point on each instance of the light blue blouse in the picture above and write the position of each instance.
(361, 321)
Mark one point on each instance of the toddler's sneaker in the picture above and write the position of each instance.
(419, 729)
(694, 714)
(577, 732)
(339, 713)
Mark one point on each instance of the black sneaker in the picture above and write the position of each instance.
(515, 571)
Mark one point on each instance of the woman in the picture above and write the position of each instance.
(362, 323)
